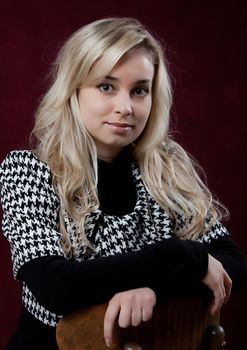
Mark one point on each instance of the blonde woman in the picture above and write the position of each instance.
(107, 207)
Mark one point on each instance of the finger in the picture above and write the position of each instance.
(147, 312)
(109, 321)
(124, 318)
(228, 287)
(136, 316)
(218, 301)
(213, 307)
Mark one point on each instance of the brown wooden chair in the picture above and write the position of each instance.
(181, 324)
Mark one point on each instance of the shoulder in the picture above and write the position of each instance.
(26, 182)
(23, 158)
(23, 168)
(23, 162)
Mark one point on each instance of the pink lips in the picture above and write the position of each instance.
(119, 128)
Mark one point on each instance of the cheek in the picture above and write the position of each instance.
(88, 108)
(98, 109)
(145, 110)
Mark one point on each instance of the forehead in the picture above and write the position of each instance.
(135, 61)
(138, 51)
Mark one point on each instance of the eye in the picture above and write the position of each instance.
(140, 91)
(105, 87)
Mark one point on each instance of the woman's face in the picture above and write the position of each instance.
(116, 110)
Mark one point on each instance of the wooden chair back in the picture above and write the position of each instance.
(182, 324)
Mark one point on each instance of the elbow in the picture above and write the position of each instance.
(52, 302)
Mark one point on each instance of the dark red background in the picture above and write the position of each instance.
(206, 46)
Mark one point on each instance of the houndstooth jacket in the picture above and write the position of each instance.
(30, 222)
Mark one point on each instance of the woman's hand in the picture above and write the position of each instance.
(219, 282)
(131, 307)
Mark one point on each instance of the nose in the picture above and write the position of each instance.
(123, 104)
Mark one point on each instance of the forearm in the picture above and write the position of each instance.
(63, 285)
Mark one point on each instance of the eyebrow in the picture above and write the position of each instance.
(141, 81)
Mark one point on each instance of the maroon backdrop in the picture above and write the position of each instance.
(206, 46)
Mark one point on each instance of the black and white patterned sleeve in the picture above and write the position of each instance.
(216, 231)
(30, 208)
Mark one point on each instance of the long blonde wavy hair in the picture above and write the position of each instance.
(62, 141)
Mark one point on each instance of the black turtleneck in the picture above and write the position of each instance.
(116, 188)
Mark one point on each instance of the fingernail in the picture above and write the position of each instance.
(108, 342)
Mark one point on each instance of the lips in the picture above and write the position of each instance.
(119, 128)
(120, 125)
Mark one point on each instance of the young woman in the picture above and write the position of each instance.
(108, 207)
